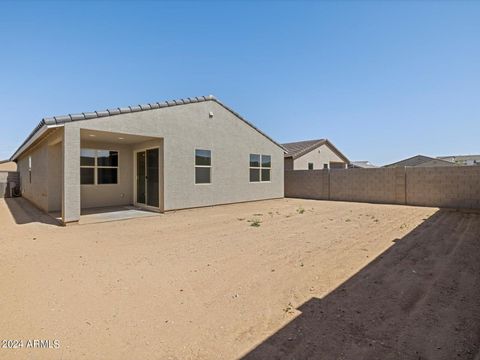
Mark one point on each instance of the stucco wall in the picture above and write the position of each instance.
(319, 156)
(8, 166)
(55, 177)
(188, 127)
(35, 190)
(451, 187)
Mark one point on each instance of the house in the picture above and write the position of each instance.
(361, 165)
(466, 160)
(313, 154)
(163, 156)
(421, 161)
(6, 165)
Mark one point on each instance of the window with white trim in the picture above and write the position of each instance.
(98, 167)
(30, 169)
(260, 167)
(203, 166)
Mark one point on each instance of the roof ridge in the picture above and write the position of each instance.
(302, 141)
(60, 119)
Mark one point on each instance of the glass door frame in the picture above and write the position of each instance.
(160, 197)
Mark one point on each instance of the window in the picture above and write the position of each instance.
(98, 167)
(203, 166)
(325, 166)
(260, 166)
(30, 169)
(310, 166)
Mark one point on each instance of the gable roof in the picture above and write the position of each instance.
(418, 160)
(299, 148)
(56, 121)
(459, 157)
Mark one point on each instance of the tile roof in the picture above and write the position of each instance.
(62, 119)
(300, 148)
(294, 149)
(418, 160)
(459, 157)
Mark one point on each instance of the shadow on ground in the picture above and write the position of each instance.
(24, 212)
(418, 300)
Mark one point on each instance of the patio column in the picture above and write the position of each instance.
(71, 175)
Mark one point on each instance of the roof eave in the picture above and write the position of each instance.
(35, 135)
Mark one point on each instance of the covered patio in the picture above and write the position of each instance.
(110, 176)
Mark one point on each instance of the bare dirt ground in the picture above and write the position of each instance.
(315, 280)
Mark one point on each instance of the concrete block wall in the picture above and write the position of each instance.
(6, 177)
(308, 184)
(384, 185)
(453, 187)
(450, 187)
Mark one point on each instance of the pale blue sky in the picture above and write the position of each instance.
(382, 80)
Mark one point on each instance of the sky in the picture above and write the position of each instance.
(382, 80)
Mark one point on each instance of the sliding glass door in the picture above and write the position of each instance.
(147, 177)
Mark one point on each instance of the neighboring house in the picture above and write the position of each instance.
(7, 165)
(361, 165)
(313, 155)
(163, 156)
(421, 161)
(467, 160)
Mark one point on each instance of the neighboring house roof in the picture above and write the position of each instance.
(55, 121)
(460, 157)
(300, 148)
(420, 160)
(362, 164)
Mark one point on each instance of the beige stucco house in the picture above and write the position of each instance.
(313, 155)
(162, 156)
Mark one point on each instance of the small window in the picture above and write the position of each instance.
(107, 176)
(87, 176)
(203, 166)
(98, 167)
(310, 166)
(107, 158)
(260, 166)
(30, 169)
(325, 166)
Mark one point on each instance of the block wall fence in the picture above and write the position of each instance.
(448, 187)
(6, 178)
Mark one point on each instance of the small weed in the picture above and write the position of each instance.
(255, 222)
(347, 220)
(300, 210)
(240, 219)
(403, 226)
(257, 214)
(289, 308)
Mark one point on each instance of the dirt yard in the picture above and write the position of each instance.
(314, 280)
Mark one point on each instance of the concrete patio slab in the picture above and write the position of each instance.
(111, 213)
